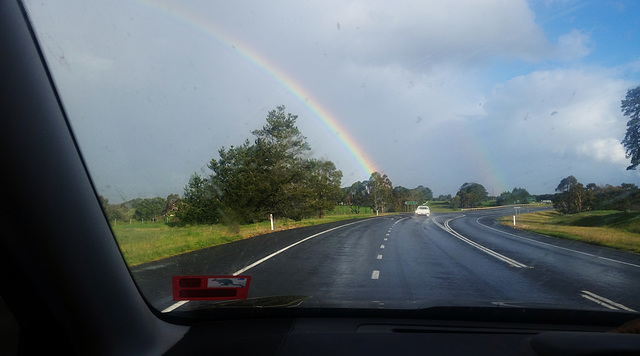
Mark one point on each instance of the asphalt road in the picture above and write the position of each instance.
(408, 262)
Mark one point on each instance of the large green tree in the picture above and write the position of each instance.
(242, 182)
(520, 195)
(150, 209)
(419, 194)
(471, 195)
(380, 192)
(505, 198)
(516, 196)
(323, 184)
(356, 196)
(631, 108)
(566, 184)
(575, 200)
(271, 175)
(201, 203)
(400, 196)
(573, 197)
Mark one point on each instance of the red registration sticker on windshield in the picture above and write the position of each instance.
(210, 287)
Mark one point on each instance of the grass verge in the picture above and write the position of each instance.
(614, 229)
(146, 242)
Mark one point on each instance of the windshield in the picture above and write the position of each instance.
(360, 154)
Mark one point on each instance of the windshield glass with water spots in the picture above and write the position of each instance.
(261, 153)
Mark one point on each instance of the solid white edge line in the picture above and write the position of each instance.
(599, 302)
(486, 250)
(588, 295)
(290, 246)
(560, 247)
(183, 302)
(608, 301)
(175, 306)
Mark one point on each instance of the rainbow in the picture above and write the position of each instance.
(487, 169)
(328, 119)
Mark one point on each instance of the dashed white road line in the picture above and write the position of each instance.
(375, 274)
(379, 257)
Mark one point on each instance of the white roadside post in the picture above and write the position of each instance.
(271, 218)
(517, 209)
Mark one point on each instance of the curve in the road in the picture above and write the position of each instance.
(447, 228)
(555, 246)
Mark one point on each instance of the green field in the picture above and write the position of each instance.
(440, 207)
(145, 242)
(615, 229)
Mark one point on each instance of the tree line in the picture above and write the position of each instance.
(381, 196)
(275, 175)
(473, 195)
(272, 174)
(139, 209)
(574, 197)
(571, 197)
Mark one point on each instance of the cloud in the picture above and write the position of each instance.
(565, 121)
(604, 150)
(94, 62)
(573, 45)
(436, 93)
(581, 99)
(422, 34)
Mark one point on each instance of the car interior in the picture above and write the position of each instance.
(67, 289)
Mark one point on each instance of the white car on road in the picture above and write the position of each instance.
(423, 210)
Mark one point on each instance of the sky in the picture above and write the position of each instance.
(505, 93)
